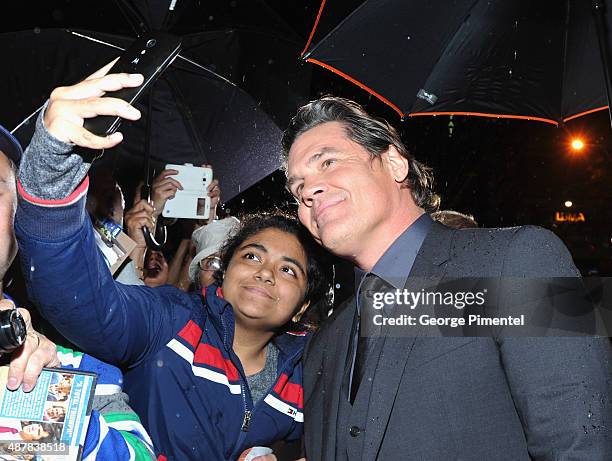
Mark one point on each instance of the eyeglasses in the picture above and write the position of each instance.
(210, 264)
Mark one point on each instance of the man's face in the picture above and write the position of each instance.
(8, 204)
(345, 197)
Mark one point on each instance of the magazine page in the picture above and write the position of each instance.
(50, 422)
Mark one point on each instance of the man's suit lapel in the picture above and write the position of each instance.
(396, 351)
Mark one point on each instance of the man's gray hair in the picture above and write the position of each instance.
(373, 134)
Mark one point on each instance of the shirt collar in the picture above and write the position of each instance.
(395, 264)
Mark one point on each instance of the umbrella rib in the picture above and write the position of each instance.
(96, 40)
(358, 83)
(27, 119)
(483, 114)
(565, 42)
(314, 27)
(193, 63)
(581, 114)
(200, 66)
(334, 29)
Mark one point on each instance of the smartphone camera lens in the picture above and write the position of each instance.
(151, 43)
(12, 330)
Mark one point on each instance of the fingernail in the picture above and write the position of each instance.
(131, 112)
(136, 77)
(27, 387)
(116, 136)
(11, 382)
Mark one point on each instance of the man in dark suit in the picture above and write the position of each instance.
(421, 397)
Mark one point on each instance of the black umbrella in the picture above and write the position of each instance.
(539, 60)
(197, 115)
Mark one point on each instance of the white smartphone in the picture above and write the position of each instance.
(193, 201)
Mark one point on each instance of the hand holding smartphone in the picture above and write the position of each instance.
(193, 201)
(149, 55)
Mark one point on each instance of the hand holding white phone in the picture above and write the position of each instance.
(192, 202)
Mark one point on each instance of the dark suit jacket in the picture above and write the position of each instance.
(469, 398)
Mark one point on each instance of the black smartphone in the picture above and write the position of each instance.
(149, 55)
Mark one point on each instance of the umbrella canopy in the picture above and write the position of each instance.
(537, 60)
(197, 116)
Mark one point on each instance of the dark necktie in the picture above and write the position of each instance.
(368, 333)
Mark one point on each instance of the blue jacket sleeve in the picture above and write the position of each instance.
(69, 281)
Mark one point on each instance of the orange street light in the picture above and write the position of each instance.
(577, 144)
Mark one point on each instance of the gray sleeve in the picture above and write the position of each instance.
(114, 403)
(49, 170)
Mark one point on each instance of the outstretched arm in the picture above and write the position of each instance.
(66, 275)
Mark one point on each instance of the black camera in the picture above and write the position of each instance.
(12, 330)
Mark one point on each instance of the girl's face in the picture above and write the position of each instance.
(265, 281)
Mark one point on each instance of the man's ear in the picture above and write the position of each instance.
(398, 164)
(298, 315)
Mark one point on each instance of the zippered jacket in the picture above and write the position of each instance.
(182, 376)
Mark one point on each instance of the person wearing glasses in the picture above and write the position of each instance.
(208, 240)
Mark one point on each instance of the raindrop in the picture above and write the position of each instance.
(160, 363)
(510, 72)
(178, 415)
(37, 30)
(242, 201)
(210, 18)
(270, 61)
(337, 286)
(32, 268)
(590, 414)
(408, 37)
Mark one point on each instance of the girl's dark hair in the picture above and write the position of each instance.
(316, 257)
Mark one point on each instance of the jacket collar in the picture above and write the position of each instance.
(220, 312)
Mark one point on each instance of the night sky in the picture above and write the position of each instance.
(503, 172)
